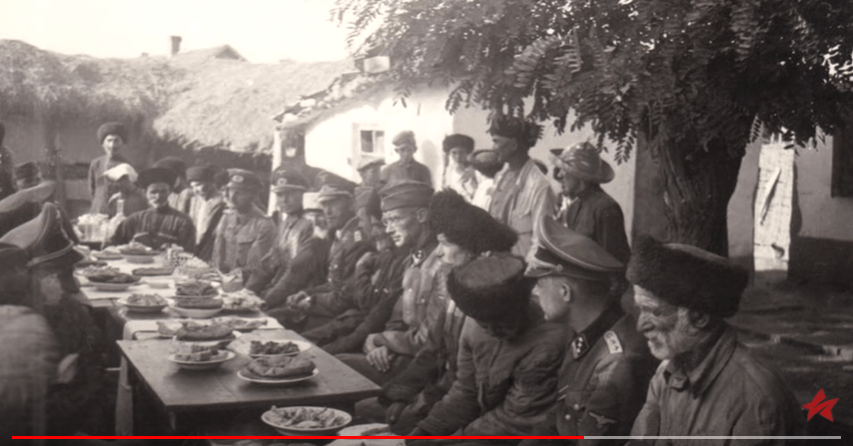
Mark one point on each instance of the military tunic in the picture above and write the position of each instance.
(398, 171)
(155, 228)
(242, 240)
(292, 236)
(603, 380)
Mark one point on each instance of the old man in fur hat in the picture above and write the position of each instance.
(160, 225)
(708, 383)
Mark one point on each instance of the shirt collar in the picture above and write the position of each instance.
(704, 374)
(420, 252)
(591, 334)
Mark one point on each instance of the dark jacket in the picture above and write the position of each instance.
(155, 228)
(602, 388)
(598, 216)
(308, 269)
(292, 235)
(503, 387)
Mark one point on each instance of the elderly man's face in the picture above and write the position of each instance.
(158, 194)
(406, 151)
(667, 327)
(553, 294)
(504, 147)
(112, 144)
(404, 225)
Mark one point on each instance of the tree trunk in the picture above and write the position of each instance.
(697, 189)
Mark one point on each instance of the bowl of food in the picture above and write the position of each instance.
(258, 349)
(241, 323)
(112, 281)
(209, 335)
(197, 307)
(144, 303)
(198, 357)
(139, 254)
(306, 420)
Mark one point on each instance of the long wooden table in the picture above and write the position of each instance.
(183, 392)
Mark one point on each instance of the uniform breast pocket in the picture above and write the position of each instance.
(244, 243)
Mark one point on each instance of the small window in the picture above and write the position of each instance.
(372, 142)
(842, 162)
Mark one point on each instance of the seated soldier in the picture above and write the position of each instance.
(708, 384)
(508, 355)
(379, 276)
(322, 303)
(607, 366)
(292, 234)
(245, 234)
(160, 225)
(75, 404)
(464, 233)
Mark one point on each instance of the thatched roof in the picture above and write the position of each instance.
(206, 98)
(229, 103)
(345, 90)
(34, 82)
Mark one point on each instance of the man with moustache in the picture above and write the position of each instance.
(592, 212)
(522, 195)
(112, 136)
(159, 225)
(607, 367)
(708, 384)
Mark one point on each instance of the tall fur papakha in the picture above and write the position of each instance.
(525, 132)
(467, 225)
(491, 289)
(687, 276)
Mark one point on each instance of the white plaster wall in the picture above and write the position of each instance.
(823, 216)
(331, 143)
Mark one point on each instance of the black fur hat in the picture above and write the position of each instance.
(522, 130)
(687, 276)
(467, 225)
(491, 289)
(112, 128)
(458, 140)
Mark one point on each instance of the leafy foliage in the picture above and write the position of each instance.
(710, 73)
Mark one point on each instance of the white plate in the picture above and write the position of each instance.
(203, 365)
(196, 313)
(210, 343)
(302, 345)
(276, 381)
(142, 308)
(267, 417)
(104, 286)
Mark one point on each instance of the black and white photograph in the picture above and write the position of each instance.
(426, 222)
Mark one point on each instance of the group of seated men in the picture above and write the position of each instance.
(495, 318)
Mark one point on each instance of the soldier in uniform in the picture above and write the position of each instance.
(370, 170)
(708, 384)
(292, 235)
(349, 243)
(607, 366)
(244, 235)
(159, 225)
(406, 168)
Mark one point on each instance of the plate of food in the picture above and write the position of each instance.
(93, 270)
(242, 301)
(139, 254)
(144, 303)
(279, 370)
(198, 357)
(197, 307)
(195, 288)
(259, 349)
(113, 281)
(89, 263)
(107, 254)
(240, 323)
(204, 332)
(306, 420)
(153, 271)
